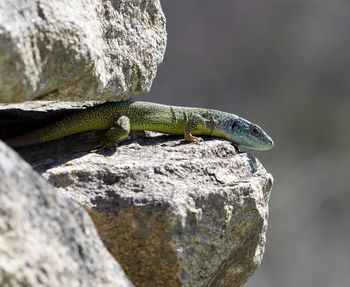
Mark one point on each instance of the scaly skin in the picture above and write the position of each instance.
(121, 117)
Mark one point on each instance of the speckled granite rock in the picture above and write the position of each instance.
(174, 214)
(45, 238)
(79, 49)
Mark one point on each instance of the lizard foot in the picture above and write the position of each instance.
(190, 138)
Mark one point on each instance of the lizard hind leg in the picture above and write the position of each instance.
(119, 131)
(193, 122)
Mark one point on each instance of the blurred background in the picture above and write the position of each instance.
(286, 66)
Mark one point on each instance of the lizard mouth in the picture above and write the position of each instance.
(267, 145)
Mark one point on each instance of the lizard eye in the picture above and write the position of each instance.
(255, 131)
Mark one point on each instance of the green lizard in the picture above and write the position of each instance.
(119, 118)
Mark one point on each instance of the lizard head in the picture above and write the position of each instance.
(244, 133)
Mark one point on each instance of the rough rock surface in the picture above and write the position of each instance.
(174, 214)
(79, 49)
(45, 238)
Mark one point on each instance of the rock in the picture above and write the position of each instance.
(79, 49)
(45, 238)
(173, 214)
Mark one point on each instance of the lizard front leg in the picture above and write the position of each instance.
(119, 131)
(194, 121)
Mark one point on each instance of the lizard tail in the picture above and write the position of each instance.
(23, 140)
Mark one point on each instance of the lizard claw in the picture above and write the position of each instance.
(198, 139)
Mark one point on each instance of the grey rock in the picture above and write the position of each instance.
(45, 238)
(174, 215)
(79, 50)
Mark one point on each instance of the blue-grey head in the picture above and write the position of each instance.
(244, 133)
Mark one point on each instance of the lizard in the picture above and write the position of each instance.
(119, 118)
